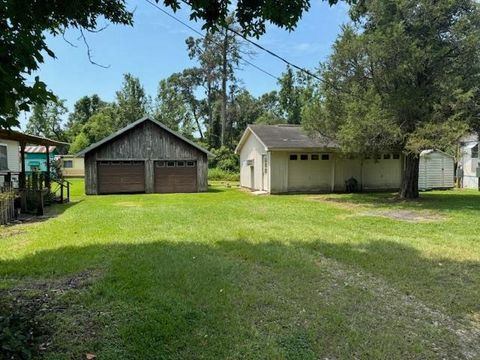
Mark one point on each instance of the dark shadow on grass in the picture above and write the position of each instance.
(185, 300)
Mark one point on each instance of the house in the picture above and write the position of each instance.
(284, 159)
(36, 157)
(467, 167)
(13, 145)
(145, 157)
(9, 159)
(436, 170)
(72, 166)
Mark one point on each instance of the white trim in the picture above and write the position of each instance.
(244, 138)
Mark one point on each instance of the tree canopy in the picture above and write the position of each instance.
(24, 24)
(402, 77)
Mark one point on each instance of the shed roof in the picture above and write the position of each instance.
(134, 124)
(28, 139)
(431, 151)
(279, 137)
(39, 149)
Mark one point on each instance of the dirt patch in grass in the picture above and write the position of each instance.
(404, 215)
(129, 204)
(30, 313)
(11, 232)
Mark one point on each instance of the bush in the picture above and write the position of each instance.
(217, 174)
(225, 159)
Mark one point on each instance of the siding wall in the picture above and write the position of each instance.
(470, 179)
(382, 174)
(436, 171)
(13, 154)
(252, 177)
(78, 169)
(147, 142)
(346, 169)
(330, 175)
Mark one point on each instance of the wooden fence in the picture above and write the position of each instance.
(7, 205)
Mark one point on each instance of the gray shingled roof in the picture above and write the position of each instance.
(289, 137)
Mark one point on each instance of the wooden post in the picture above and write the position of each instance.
(47, 175)
(68, 191)
(61, 192)
(22, 179)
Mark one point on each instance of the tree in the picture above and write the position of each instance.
(176, 105)
(131, 100)
(46, 120)
(84, 109)
(98, 126)
(400, 78)
(271, 109)
(218, 55)
(23, 24)
(289, 97)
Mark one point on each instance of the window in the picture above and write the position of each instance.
(265, 164)
(396, 156)
(190, 163)
(315, 157)
(170, 163)
(304, 157)
(181, 163)
(3, 157)
(386, 156)
(293, 157)
(160, 163)
(475, 152)
(325, 157)
(67, 164)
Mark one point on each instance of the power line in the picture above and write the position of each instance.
(203, 36)
(274, 54)
(309, 73)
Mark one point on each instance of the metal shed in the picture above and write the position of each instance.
(436, 170)
(145, 157)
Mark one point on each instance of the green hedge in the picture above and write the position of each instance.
(222, 175)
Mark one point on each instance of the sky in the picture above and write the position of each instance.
(154, 48)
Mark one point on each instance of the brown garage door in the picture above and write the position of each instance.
(175, 176)
(121, 177)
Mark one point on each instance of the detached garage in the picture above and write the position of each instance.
(145, 157)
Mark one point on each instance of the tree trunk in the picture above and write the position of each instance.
(224, 87)
(409, 187)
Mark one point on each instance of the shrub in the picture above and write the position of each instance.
(225, 159)
(217, 174)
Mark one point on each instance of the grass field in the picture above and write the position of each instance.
(229, 275)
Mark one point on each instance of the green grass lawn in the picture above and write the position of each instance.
(229, 275)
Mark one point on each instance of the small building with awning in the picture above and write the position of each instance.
(13, 146)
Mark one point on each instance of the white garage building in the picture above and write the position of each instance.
(284, 159)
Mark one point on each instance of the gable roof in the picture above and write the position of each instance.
(431, 151)
(283, 137)
(134, 124)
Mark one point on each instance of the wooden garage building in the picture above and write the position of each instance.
(145, 157)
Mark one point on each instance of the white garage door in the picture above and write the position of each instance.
(309, 172)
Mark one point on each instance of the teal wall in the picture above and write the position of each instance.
(38, 159)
